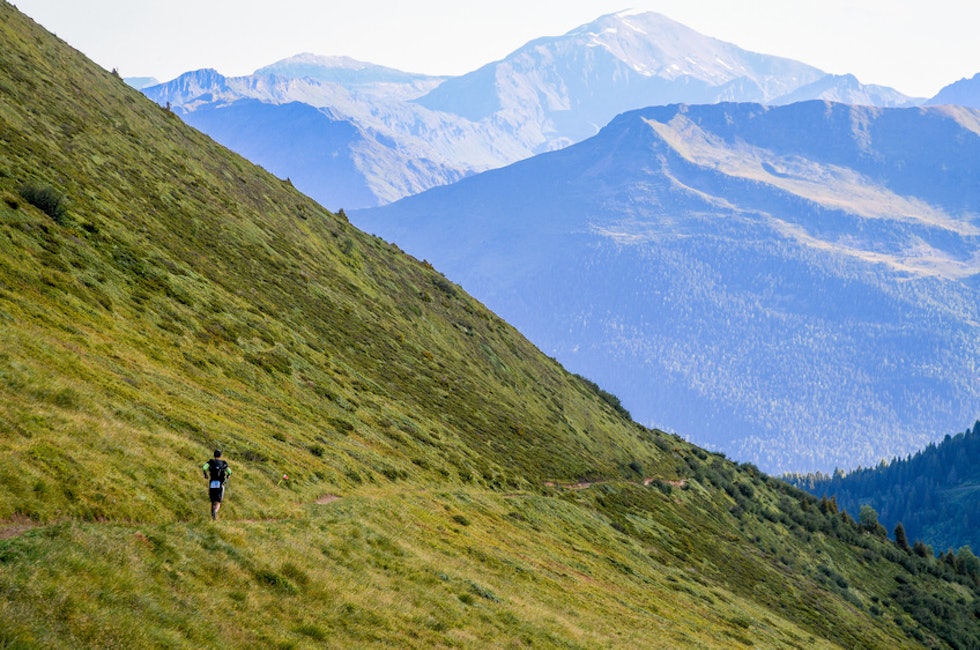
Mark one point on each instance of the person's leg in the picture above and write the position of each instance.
(217, 494)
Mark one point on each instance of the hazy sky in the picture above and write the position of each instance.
(915, 46)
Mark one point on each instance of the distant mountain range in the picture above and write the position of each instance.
(404, 133)
(796, 285)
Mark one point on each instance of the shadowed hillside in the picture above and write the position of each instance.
(407, 470)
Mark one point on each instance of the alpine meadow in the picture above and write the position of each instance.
(408, 470)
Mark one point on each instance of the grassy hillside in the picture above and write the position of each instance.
(448, 485)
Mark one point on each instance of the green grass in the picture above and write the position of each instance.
(185, 299)
(380, 567)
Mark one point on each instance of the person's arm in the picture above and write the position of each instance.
(205, 468)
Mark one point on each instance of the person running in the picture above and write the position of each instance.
(217, 472)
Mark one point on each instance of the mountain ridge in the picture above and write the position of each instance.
(549, 93)
(341, 69)
(699, 261)
(965, 92)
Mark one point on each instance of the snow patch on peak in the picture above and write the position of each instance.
(636, 29)
(350, 73)
(624, 17)
(631, 12)
(318, 60)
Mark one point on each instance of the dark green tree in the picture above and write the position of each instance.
(967, 563)
(829, 506)
(901, 538)
(868, 521)
(922, 549)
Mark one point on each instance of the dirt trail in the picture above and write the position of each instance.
(15, 527)
(581, 485)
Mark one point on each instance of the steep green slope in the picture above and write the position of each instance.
(188, 295)
(448, 485)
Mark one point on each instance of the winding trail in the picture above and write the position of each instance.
(581, 485)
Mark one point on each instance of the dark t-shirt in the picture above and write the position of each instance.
(216, 487)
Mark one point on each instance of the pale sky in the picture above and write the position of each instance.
(914, 46)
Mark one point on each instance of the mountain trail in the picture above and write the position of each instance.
(582, 485)
(18, 525)
(15, 526)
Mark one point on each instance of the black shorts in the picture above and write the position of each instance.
(216, 494)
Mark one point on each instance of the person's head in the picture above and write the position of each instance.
(217, 453)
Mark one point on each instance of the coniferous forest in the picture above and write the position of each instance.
(933, 494)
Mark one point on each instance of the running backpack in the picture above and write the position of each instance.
(218, 469)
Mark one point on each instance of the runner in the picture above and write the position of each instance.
(217, 472)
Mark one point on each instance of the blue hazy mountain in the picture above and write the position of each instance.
(576, 83)
(846, 89)
(965, 92)
(795, 285)
(419, 131)
(304, 127)
(350, 73)
(278, 134)
(141, 82)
